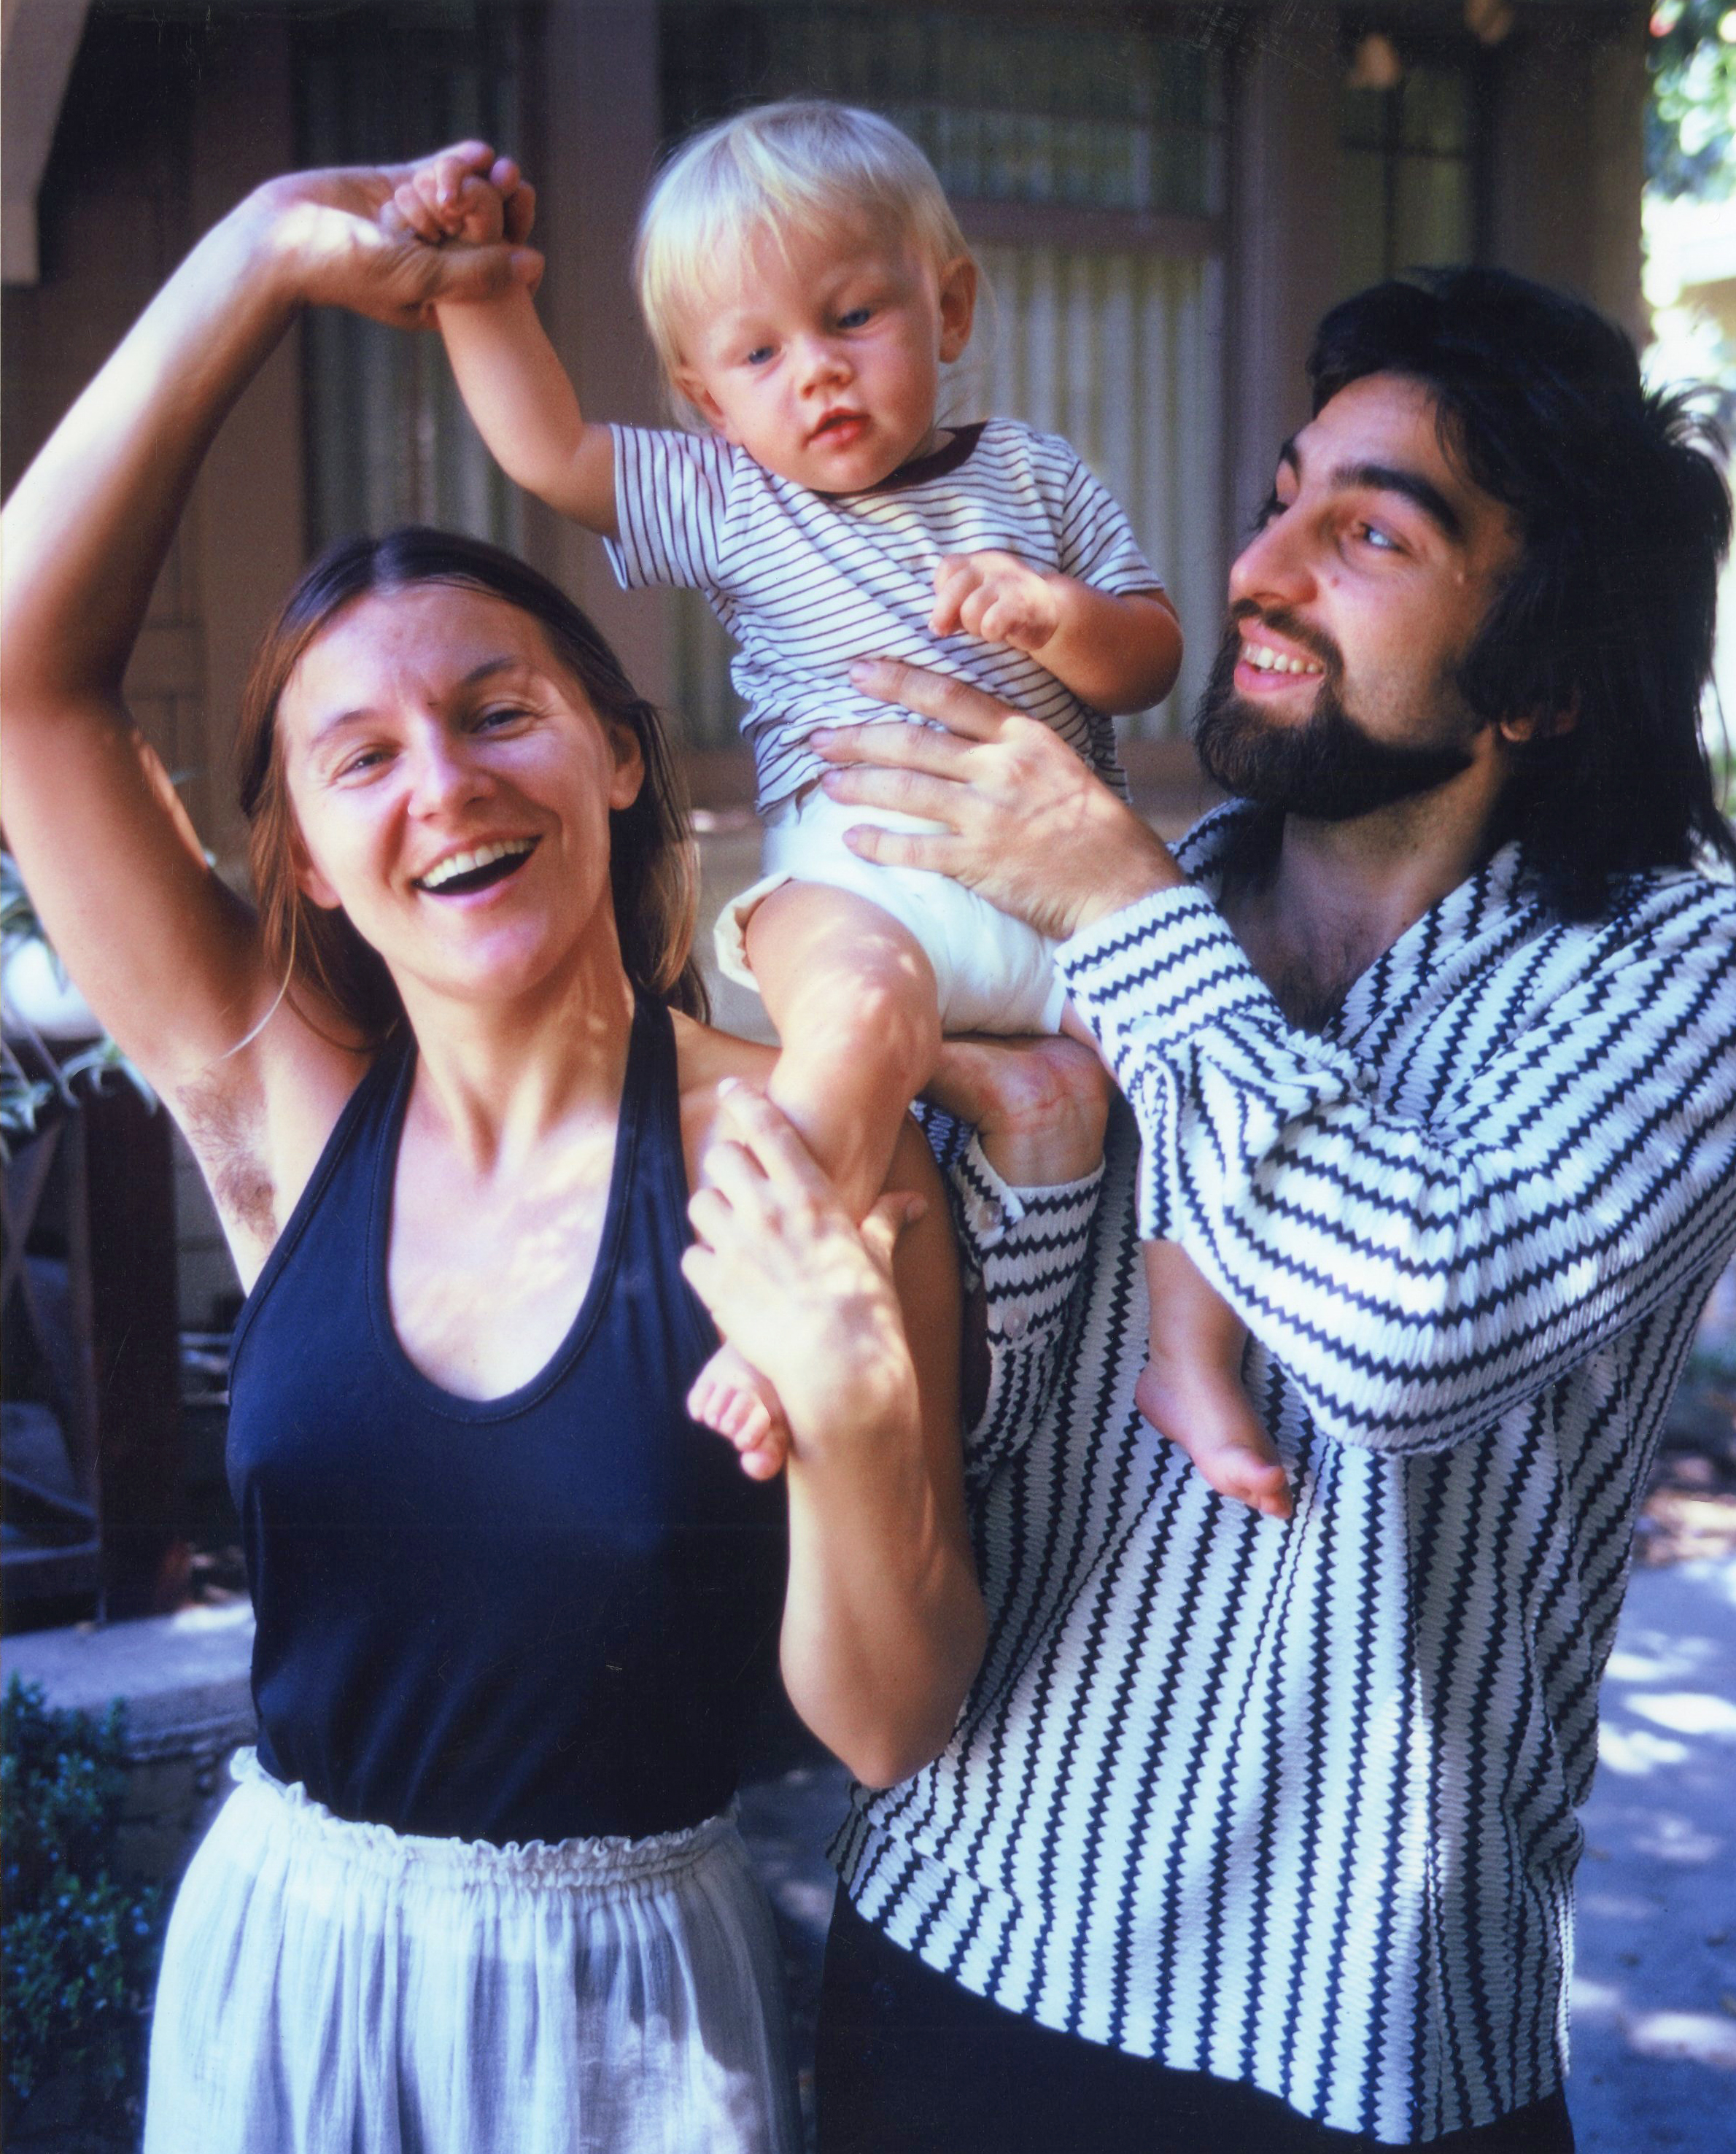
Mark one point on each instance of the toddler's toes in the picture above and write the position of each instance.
(731, 1397)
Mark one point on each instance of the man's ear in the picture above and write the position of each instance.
(702, 400)
(1539, 725)
(957, 306)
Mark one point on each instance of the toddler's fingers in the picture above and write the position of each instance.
(1005, 621)
(521, 211)
(974, 611)
(478, 215)
(415, 213)
(954, 580)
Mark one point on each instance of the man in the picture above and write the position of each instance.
(1261, 1833)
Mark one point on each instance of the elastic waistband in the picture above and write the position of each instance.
(606, 1865)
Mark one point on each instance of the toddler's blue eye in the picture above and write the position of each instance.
(855, 319)
(759, 354)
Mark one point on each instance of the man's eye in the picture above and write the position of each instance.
(1270, 508)
(857, 318)
(1382, 542)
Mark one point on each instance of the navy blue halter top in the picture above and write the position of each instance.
(510, 1618)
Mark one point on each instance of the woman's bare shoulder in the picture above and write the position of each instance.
(704, 1058)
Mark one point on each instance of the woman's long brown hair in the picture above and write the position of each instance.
(652, 872)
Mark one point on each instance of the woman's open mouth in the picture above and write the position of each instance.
(461, 874)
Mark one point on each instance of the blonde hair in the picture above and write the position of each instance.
(800, 160)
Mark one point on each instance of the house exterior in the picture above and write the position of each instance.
(1165, 199)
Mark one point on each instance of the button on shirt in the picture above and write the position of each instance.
(1295, 1803)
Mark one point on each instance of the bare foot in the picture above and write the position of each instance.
(1204, 1410)
(730, 1396)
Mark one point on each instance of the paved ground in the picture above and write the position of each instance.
(1654, 2040)
(1654, 1996)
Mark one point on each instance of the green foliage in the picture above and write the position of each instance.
(80, 1951)
(22, 1096)
(1691, 126)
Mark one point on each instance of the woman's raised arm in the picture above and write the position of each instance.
(166, 956)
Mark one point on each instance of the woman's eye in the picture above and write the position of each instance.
(360, 764)
(1268, 511)
(499, 714)
(857, 318)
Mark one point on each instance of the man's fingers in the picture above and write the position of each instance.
(894, 748)
(906, 792)
(959, 707)
(908, 849)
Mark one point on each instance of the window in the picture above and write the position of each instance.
(1075, 106)
(1084, 154)
(1407, 192)
(388, 439)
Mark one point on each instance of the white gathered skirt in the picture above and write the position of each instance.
(338, 1989)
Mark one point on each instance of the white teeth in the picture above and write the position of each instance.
(1265, 659)
(460, 864)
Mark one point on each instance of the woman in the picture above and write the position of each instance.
(448, 1089)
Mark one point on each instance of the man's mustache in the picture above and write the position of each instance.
(1282, 622)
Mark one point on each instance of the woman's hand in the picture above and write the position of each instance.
(466, 193)
(796, 1287)
(339, 240)
(1027, 824)
(883, 1623)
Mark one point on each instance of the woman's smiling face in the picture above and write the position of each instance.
(451, 787)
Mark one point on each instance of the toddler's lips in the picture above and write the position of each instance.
(839, 428)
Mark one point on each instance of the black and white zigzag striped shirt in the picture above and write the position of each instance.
(1294, 1804)
(808, 583)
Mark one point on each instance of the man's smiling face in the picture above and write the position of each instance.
(1352, 608)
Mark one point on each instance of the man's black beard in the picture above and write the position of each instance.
(1327, 769)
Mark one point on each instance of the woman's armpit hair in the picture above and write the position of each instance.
(223, 1119)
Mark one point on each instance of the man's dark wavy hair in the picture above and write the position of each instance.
(1607, 620)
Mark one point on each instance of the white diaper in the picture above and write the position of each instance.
(994, 973)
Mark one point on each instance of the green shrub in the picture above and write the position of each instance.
(80, 1951)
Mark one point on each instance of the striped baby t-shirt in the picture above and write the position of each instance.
(808, 583)
(1295, 1803)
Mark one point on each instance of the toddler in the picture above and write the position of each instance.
(803, 281)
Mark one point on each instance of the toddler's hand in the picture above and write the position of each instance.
(996, 596)
(465, 193)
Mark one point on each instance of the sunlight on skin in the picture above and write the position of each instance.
(538, 1261)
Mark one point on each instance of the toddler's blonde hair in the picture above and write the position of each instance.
(802, 160)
